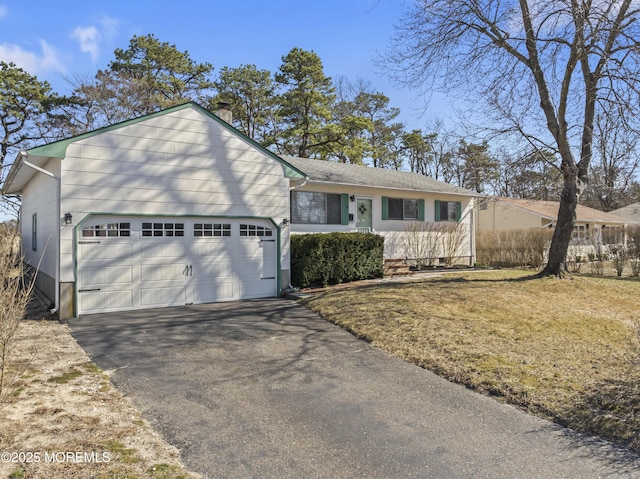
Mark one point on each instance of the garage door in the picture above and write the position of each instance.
(132, 263)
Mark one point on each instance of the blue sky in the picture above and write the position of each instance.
(59, 40)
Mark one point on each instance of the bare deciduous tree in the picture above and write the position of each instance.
(423, 242)
(545, 69)
(15, 293)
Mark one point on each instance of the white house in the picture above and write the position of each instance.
(399, 205)
(178, 207)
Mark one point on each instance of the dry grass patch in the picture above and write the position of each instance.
(64, 404)
(563, 349)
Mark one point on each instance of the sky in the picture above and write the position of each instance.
(57, 41)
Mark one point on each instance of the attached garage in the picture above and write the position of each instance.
(127, 263)
(173, 208)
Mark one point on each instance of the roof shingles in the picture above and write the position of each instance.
(549, 209)
(323, 171)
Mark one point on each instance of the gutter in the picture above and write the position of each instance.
(23, 156)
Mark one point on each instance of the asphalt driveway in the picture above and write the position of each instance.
(267, 389)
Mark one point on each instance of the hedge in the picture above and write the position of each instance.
(332, 258)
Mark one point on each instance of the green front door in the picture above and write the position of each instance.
(363, 215)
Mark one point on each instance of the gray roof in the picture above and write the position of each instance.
(331, 172)
(549, 210)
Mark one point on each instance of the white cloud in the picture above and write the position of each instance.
(4, 11)
(32, 62)
(88, 38)
(109, 27)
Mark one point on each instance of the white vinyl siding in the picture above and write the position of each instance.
(40, 198)
(181, 163)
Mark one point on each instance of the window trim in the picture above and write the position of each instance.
(438, 206)
(344, 208)
(385, 209)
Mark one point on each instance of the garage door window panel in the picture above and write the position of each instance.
(255, 230)
(162, 229)
(107, 230)
(211, 230)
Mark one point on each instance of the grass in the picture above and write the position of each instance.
(567, 350)
(65, 377)
(125, 454)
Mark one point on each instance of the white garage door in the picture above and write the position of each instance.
(133, 263)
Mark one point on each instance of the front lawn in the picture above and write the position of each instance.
(567, 350)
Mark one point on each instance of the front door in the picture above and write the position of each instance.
(363, 215)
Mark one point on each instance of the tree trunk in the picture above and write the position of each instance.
(564, 228)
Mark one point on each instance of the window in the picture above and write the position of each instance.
(162, 229)
(402, 209)
(319, 208)
(211, 229)
(448, 211)
(253, 230)
(108, 229)
(580, 233)
(34, 232)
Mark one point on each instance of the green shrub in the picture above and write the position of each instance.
(332, 258)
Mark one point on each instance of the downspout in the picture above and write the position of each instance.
(56, 299)
(472, 232)
(291, 188)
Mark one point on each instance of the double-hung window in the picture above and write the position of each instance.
(308, 207)
(402, 209)
(448, 210)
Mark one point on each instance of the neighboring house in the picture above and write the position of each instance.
(179, 207)
(502, 214)
(630, 212)
(399, 205)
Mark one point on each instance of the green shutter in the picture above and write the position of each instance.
(420, 210)
(344, 203)
(437, 211)
(385, 208)
(458, 211)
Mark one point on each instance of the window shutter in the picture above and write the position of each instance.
(420, 210)
(437, 211)
(458, 210)
(344, 203)
(385, 208)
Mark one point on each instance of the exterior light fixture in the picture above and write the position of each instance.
(68, 218)
(285, 221)
(352, 198)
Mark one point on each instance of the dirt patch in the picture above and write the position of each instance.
(64, 418)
